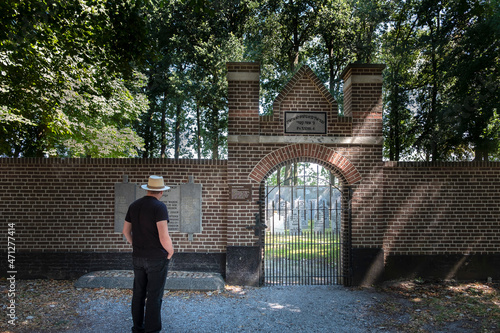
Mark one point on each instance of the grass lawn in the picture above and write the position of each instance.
(307, 245)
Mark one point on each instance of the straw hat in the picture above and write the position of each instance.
(155, 183)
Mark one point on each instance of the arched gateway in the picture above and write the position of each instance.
(306, 152)
(305, 208)
(305, 127)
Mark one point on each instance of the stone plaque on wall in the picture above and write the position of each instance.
(125, 194)
(190, 208)
(183, 203)
(240, 192)
(305, 122)
(172, 199)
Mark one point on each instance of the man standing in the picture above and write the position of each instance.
(146, 229)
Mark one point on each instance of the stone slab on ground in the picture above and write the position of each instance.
(176, 280)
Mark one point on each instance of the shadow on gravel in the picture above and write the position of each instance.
(404, 306)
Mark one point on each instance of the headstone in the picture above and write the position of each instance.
(322, 222)
(285, 214)
(299, 218)
(277, 224)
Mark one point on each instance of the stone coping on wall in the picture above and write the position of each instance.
(103, 161)
(453, 164)
(376, 140)
(254, 139)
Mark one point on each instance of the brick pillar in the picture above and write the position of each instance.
(243, 98)
(243, 252)
(363, 98)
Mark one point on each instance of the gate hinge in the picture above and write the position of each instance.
(257, 227)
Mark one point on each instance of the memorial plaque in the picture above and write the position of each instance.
(190, 212)
(240, 192)
(305, 122)
(183, 203)
(172, 199)
(125, 194)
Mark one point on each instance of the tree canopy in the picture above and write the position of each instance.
(68, 84)
(146, 78)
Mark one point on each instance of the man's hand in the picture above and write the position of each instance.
(165, 239)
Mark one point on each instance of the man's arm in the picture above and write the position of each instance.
(165, 239)
(127, 231)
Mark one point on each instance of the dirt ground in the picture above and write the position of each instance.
(405, 306)
(441, 306)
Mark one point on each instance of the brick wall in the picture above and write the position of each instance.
(401, 213)
(441, 220)
(67, 205)
(441, 208)
(408, 219)
(255, 154)
(305, 92)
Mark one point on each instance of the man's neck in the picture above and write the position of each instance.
(156, 195)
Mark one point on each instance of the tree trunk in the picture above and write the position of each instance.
(198, 131)
(215, 134)
(177, 138)
(163, 131)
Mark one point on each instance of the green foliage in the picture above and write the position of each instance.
(335, 48)
(148, 77)
(441, 82)
(472, 98)
(324, 34)
(400, 54)
(65, 68)
(187, 77)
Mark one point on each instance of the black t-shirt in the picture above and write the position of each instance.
(143, 214)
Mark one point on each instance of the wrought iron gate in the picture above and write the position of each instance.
(305, 242)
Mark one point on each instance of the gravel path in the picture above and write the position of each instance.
(269, 309)
(56, 306)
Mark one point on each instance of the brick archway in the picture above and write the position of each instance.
(302, 152)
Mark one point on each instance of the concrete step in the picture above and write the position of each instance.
(176, 280)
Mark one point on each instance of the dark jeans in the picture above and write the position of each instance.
(149, 283)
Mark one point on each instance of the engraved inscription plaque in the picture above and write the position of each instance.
(305, 122)
(190, 212)
(240, 192)
(125, 194)
(183, 203)
(172, 198)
